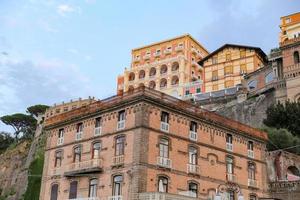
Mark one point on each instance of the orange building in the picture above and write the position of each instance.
(226, 66)
(146, 145)
(290, 27)
(169, 66)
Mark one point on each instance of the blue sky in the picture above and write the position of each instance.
(55, 50)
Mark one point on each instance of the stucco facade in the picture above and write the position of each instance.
(148, 145)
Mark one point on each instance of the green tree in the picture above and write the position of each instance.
(37, 109)
(5, 141)
(21, 123)
(282, 139)
(284, 116)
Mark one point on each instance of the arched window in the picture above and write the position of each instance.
(152, 72)
(269, 77)
(175, 80)
(163, 184)
(73, 190)
(152, 85)
(141, 74)
(96, 150)
(293, 173)
(296, 57)
(175, 67)
(252, 84)
(54, 192)
(163, 69)
(163, 83)
(117, 185)
(77, 154)
(93, 187)
(193, 189)
(131, 76)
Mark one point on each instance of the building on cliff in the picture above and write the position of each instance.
(170, 66)
(145, 144)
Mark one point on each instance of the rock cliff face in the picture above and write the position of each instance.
(250, 112)
(13, 174)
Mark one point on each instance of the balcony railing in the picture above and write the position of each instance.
(60, 141)
(78, 136)
(87, 198)
(157, 54)
(93, 165)
(229, 146)
(252, 183)
(194, 51)
(250, 153)
(56, 171)
(118, 160)
(115, 197)
(121, 125)
(193, 169)
(179, 48)
(164, 126)
(147, 57)
(163, 196)
(168, 51)
(164, 162)
(231, 177)
(188, 194)
(136, 59)
(193, 136)
(98, 131)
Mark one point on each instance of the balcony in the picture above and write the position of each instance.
(164, 126)
(118, 160)
(252, 183)
(164, 162)
(179, 48)
(78, 136)
(56, 172)
(77, 168)
(229, 146)
(194, 51)
(121, 125)
(115, 197)
(136, 59)
(147, 57)
(167, 51)
(186, 195)
(195, 64)
(60, 141)
(157, 54)
(250, 153)
(231, 177)
(98, 131)
(193, 136)
(193, 169)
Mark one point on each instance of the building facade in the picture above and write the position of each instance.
(290, 27)
(170, 66)
(144, 145)
(225, 67)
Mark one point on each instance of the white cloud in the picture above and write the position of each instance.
(64, 9)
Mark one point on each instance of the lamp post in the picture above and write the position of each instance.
(228, 186)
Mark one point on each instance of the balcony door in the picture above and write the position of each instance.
(54, 192)
(93, 187)
(73, 190)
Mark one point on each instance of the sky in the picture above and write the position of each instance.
(56, 50)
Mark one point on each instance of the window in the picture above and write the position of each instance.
(250, 147)
(73, 190)
(229, 146)
(193, 131)
(228, 70)
(60, 140)
(252, 197)
(96, 150)
(121, 120)
(187, 92)
(98, 125)
(93, 187)
(152, 85)
(243, 69)
(193, 160)
(120, 145)
(296, 57)
(77, 154)
(58, 159)
(175, 66)
(175, 81)
(198, 90)
(252, 84)
(242, 53)
(163, 83)
(163, 69)
(164, 148)
(269, 77)
(164, 125)
(162, 184)
(229, 165)
(142, 74)
(215, 87)
(229, 84)
(228, 56)
(193, 189)
(251, 171)
(214, 75)
(117, 185)
(231, 195)
(214, 60)
(152, 72)
(79, 131)
(287, 20)
(54, 192)
(80, 127)
(131, 76)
